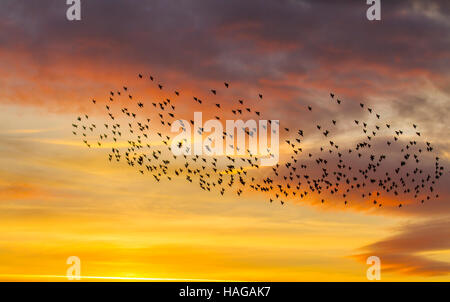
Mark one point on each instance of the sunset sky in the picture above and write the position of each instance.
(60, 199)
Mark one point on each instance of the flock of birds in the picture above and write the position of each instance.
(134, 130)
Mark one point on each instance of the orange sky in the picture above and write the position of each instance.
(59, 199)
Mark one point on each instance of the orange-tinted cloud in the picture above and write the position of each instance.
(408, 252)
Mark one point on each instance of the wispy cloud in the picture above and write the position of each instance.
(26, 131)
(405, 252)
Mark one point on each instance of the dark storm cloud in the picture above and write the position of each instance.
(296, 50)
(201, 35)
